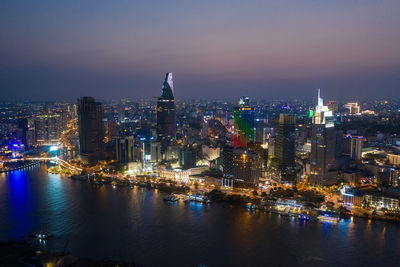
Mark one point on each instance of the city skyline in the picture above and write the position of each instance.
(270, 50)
(199, 133)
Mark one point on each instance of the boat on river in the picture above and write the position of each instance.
(171, 198)
(41, 235)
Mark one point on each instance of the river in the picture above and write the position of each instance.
(136, 224)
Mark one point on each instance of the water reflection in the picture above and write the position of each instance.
(124, 223)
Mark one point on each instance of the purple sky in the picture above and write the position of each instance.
(216, 49)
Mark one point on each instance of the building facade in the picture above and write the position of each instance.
(243, 117)
(166, 116)
(125, 149)
(91, 129)
(245, 168)
(285, 148)
(323, 146)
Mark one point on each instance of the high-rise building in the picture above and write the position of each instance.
(91, 129)
(151, 152)
(353, 146)
(166, 125)
(323, 146)
(243, 116)
(245, 168)
(259, 131)
(48, 129)
(22, 129)
(285, 148)
(125, 149)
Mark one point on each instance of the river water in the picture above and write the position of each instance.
(136, 224)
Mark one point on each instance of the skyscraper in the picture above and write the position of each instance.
(353, 146)
(259, 131)
(323, 144)
(22, 129)
(48, 129)
(285, 147)
(166, 125)
(91, 129)
(243, 116)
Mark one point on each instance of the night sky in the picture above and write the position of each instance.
(216, 49)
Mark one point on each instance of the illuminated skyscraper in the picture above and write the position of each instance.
(243, 116)
(166, 125)
(91, 129)
(323, 144)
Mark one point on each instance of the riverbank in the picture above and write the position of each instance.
(15, 166)
(233, 198)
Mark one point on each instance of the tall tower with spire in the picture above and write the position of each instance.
(166, 121)
(323, 144)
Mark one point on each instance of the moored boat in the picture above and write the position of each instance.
(41, 235)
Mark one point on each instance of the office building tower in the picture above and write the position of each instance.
(245, 168)
(151, 152)
(91, 129)
(285, 148)
(125, 149)
(121, 113)
(166, 125)
(22, 130)
(30, 138)
(353, 146)
(243, 116)
(323, 146)
(259, 131)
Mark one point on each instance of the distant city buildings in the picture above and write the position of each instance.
(353, 108)
(221, 143)
(333, 106)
